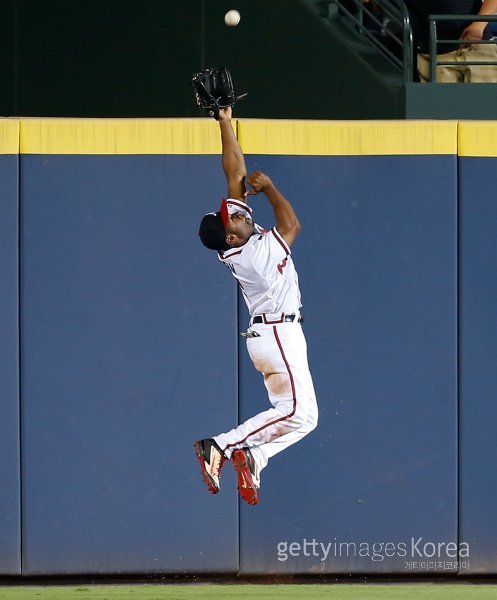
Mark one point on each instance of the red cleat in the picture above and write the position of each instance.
(248, 475)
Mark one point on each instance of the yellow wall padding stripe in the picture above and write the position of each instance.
(120, 136)
(9, 136)
(477, 138)
(347, 138)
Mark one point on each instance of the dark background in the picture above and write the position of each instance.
(135, 59)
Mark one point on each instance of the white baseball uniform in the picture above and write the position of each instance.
(265, 272)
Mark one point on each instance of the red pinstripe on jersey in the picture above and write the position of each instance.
(280, 239)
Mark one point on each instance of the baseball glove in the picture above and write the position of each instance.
(214, 90)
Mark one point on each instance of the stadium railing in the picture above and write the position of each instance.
(435, 41)
(391, 21)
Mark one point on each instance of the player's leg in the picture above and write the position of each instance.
(297, 383)
(261, 428)
(213, 452)
(265, 451)
(280, 354)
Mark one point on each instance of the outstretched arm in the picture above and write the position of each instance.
(286, 220)
(233, 159)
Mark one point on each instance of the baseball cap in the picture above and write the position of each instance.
(212, 229)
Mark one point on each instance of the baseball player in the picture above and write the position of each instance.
(262, 264)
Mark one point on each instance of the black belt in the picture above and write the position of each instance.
(284, 318)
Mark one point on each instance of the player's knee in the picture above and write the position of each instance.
(298, 421)
(300, 417)
(306, 418)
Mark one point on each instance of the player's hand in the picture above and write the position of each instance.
(259, 182)
(225, 114)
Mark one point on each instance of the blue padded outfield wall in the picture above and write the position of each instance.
(10, 526)
(377, 265)
(127, 358)
(130, 350)
(478, 342)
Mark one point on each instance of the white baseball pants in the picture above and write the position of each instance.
(280, 354)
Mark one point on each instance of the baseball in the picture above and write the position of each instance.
(232, 18)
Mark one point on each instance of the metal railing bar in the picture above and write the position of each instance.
(471, 18)
(397, 14)
(372, 38)
(459, 41)
(470, 62)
